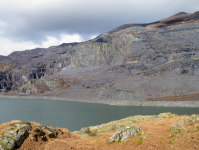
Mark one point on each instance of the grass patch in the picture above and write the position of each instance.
(162, 138)
(94, 133)
(142, 133)
(139, 141)
(197, 128)
(171, 141)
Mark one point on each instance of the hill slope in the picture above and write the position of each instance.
(132, 62)
(163, 131)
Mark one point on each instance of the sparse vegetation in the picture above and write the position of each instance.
(93, 133)
(197, 128)
(154, 133)
(139, 141)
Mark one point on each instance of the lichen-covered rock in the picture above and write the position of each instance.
(52, 133)
(13, 138)
(85, 130)
(123, 133)
(177, 128)
(192, 119)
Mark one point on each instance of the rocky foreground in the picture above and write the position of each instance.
(164, 131)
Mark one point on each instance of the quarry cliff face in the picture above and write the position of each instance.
(20, 67)
(131, 62)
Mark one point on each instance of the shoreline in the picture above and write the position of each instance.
(115, 102)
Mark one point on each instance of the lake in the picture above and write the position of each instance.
(74, 115)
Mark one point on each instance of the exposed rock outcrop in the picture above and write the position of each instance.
(85, 130)
(177, 128)
(123, 133)
(17, 132)
(14, 137)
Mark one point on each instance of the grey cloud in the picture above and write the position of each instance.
(86, 17)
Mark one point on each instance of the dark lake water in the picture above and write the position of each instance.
(74, 115)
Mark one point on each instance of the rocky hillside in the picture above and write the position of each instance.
(131, 62)
(22, 66)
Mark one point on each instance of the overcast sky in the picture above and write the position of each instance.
(27, 24)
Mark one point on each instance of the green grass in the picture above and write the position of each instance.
(94, 133)
(139, 141)
(162, 138)
(197, 128)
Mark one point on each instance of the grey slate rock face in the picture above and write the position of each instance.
(123, 133)
(13, 138)
(129, 50)
(20, 137)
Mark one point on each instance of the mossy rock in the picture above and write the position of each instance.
(14, 137)
(85, 130)
(192, 119)
(123, 133)
(23, 124)
(177, 128)
(93, 133)
(52, 133)
(37, 129)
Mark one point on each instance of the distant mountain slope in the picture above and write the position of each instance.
(129, 55)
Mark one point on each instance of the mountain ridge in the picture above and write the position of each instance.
(129, 55)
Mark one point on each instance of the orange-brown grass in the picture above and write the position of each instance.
(191, 97)
(157, 136)
(5, 126)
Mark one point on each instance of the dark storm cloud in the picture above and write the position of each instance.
(34, 22)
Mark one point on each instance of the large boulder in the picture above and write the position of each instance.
(14, 137)
(123, 133)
